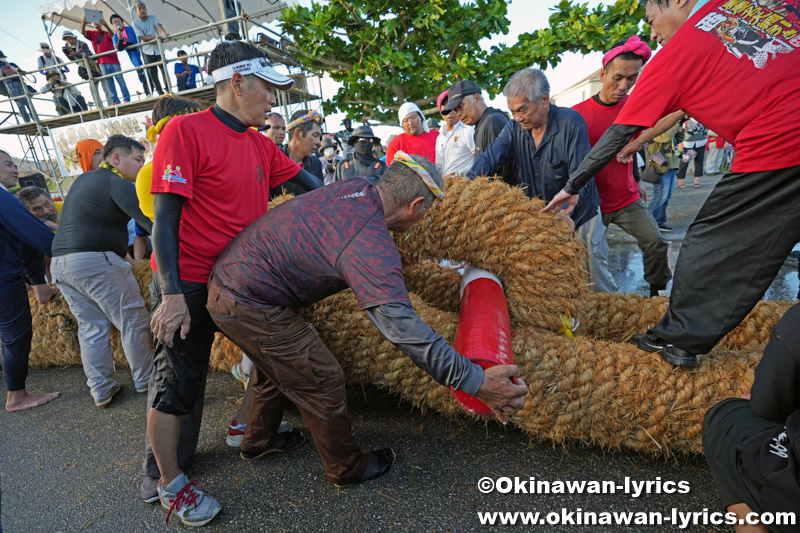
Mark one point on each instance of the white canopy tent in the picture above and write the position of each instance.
(176, 16)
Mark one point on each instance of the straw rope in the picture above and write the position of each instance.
(592, 388)
(497, 228)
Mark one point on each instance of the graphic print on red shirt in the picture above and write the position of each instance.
(732, 67)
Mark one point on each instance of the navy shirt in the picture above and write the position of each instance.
(544, 170)
(313, 246)
(188, 82)
(23, 241)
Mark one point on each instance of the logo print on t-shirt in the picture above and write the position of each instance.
(173, 176)
(353, 195)
(758, 29)
(259, 174)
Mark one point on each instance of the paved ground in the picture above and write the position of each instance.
(626, 258)
(72, 467)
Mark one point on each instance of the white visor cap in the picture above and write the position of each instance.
(260, 67)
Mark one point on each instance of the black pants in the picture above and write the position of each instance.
(16, 334)
(143, 80)
(699, 163)
(64, 105)
(152, 72)
(730, 256)
(177, 386)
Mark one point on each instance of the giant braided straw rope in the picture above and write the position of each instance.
(592, 388)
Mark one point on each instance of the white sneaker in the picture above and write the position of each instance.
(193, 506)
(239, 375)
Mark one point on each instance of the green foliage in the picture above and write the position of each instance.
(573, 28)
(387, 52)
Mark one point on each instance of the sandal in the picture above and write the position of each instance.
(681, 186)
(696, 185)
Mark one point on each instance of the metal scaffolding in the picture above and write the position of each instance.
(37, 143)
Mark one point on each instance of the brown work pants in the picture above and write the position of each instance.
(291, 364)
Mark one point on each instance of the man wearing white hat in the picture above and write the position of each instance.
(203, 198)
(48, 61)
(416, 139)
(74, 50)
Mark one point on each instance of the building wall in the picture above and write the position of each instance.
(577, 93)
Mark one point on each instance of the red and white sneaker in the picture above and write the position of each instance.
(236, 432)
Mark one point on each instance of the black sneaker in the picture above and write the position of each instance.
(669, 353)
(379, 463)
(284, 442)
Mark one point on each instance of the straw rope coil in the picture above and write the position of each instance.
(591, 388)
(497, 228)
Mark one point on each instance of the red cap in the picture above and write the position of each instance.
(441, 97)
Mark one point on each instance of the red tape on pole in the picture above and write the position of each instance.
(484, 329)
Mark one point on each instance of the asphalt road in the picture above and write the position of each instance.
(70, 466)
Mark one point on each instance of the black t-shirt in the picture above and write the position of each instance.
(487, 130)
(311, 164)
(753, 447)
(96, 213)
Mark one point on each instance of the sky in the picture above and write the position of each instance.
(22, 30)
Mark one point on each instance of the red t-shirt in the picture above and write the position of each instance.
(615, 182)
(734, 67)
(423, 144)
(104, 45)
(225, 177)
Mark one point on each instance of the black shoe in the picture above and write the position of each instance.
(284, 442)
(669, 353)
(654, 289)
(379, 463)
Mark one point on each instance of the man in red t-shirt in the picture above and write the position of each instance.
(417, 138)
(732, 65)
(203, 198)
(103, 41)
(621, 194)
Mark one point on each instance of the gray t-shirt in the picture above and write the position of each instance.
(147, 27)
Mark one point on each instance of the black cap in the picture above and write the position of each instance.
(458, 91)
(362, 132)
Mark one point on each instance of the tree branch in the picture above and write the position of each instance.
(352, 12)
(332, 63)
(404, 42)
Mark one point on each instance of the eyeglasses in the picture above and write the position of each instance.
(412, 117)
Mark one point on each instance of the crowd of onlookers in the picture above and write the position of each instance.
(223, 264)
(99, 63)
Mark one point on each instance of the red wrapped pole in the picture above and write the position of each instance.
(484, 329)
